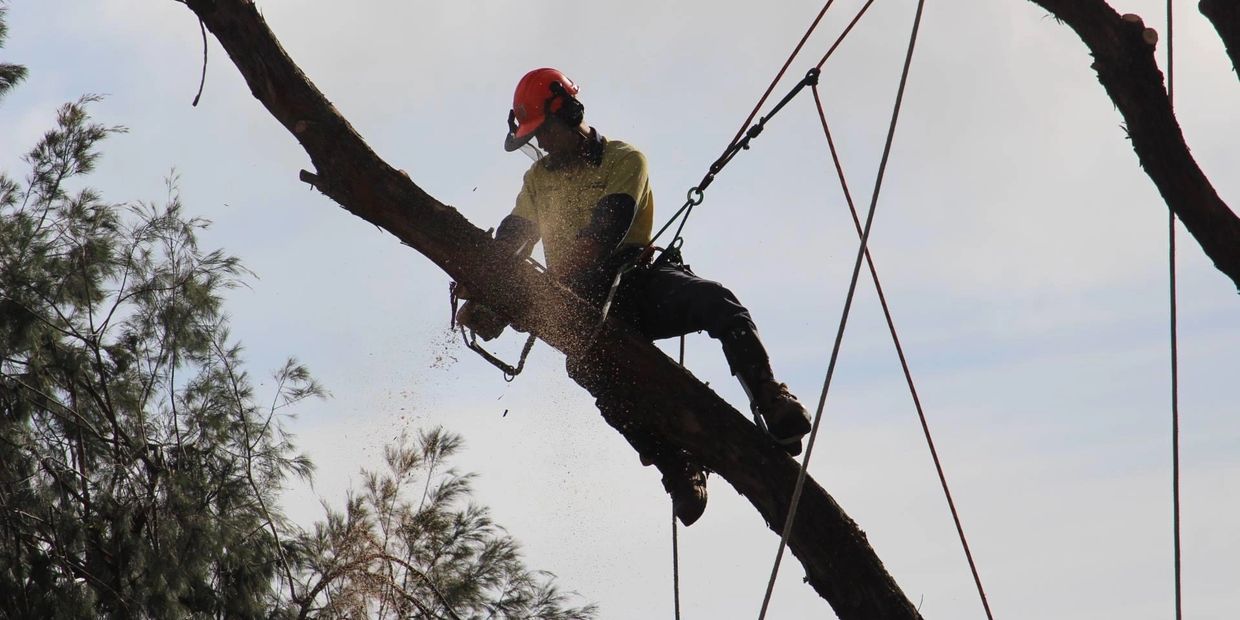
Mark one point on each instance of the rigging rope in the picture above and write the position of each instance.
(1175, 349)
(847, 30)
(780, 74)
(695, 194)
(852, 288)
(747, 132)
(695, 197)
(895, 339)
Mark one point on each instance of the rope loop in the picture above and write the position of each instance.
(695, 196)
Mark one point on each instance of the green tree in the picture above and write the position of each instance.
(10, 74)
(138, 471)
(412, 544)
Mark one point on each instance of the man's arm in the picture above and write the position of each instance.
(519, 234)
(613, 216)
(594, 244)
(627, 182)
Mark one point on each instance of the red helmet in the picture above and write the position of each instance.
(541, 92)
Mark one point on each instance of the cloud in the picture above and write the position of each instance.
(1021, 246)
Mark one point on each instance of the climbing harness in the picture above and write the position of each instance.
(640, 261)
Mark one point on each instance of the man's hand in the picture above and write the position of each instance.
(485, 322)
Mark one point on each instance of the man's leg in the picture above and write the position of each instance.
(683, 480)
(672, 301)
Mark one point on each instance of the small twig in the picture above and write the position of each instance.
(311, 178)
(426, 579)
(202, 81)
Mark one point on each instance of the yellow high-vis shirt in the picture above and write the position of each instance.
(561, 200)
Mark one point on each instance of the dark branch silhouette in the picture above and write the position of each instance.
(645, 394)
(1123, 50)
(1225, 15)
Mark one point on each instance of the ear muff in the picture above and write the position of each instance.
(571, 111)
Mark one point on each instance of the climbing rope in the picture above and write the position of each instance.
(1175, 349)
(694, 197)
(676, 528)
(839, 336)
(675, 565)
(844, 34)
(746, 133)
(895, 339)
(780, 74)
(695, 194)
(740, 142)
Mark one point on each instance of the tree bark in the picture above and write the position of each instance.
(1123, 51)
(1225, 15)
(660, 397)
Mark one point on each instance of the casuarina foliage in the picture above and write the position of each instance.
(411, 544)
(140, 470)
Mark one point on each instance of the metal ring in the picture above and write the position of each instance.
(695, 196)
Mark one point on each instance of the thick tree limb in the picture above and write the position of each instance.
(1225, 15)
(1123, 51)
(660, 397)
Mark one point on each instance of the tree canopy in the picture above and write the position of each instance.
(141, 468)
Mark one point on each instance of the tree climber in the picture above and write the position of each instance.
(588, 199)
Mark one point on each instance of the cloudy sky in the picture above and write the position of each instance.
(1023, 251)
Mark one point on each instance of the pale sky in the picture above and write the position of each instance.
(1022, 249)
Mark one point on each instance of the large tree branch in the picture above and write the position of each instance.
(1225, 15)
(1123, 51)
(659, 397)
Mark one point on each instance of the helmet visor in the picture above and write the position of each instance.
(520, 137)
(532, 150)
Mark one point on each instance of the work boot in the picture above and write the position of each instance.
(785, 418)
(682, 479)
(687, 485)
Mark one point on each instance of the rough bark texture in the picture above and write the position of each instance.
(1225, 15)
(1124, 60)
(662, 399)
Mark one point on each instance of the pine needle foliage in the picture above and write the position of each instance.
(10, 74)
(411, 544)
(138, 469)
